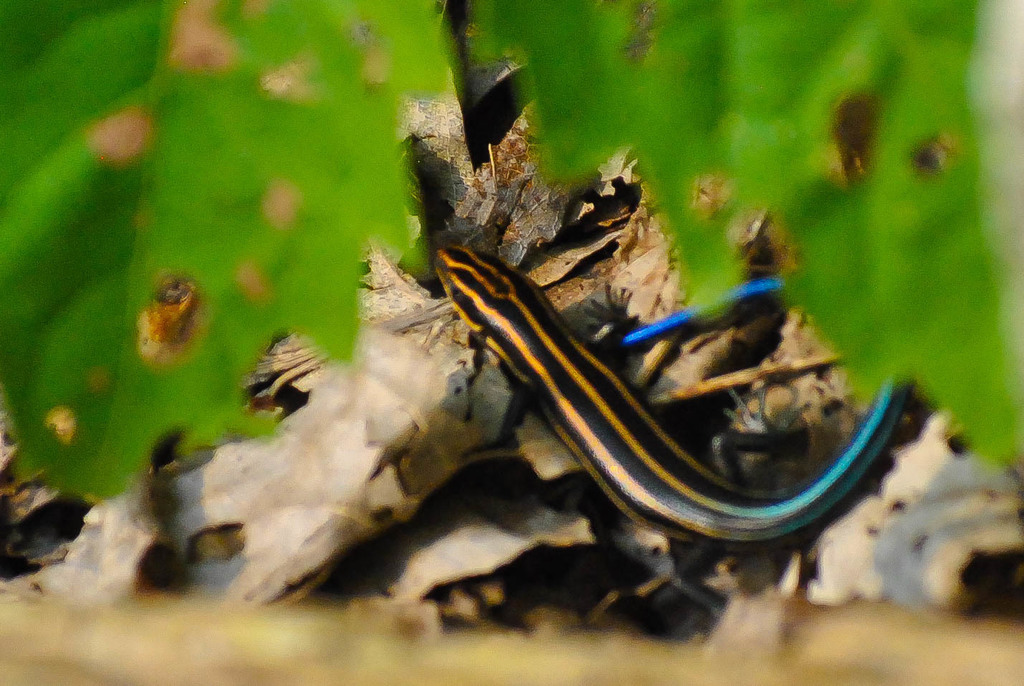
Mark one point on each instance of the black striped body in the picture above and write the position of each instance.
(614, 436)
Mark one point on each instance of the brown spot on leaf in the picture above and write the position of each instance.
(171, 322)
(198, 42)
(854, 125)
(641, 38)
(290, 81)
(62, 422)
(711, 192)
(376, 58)
(280, 203)
(255, 8)
(934, 155)
(143, 217)
(97, 379)
(376, 66)
(120, 139)
(253, 282)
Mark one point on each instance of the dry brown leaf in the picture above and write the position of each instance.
(562, 260)
(644, 269)
(102, 564)
(461, 537)
(390, 292)
(506, 191)
(846, 556)
(970, 512)
(539, 210)
(396, 303)
(476, 545)
(469, 418)
(293, 360)
(847, 567)
(639, 269)
(362, 453)
(439, 142)
(304, 496)
(547, 454)
(937, 513)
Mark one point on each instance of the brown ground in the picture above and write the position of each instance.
(189, 642)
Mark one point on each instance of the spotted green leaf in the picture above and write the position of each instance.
(851, 122)
(182, 181)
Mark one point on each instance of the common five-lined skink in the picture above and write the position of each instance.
(609, 429)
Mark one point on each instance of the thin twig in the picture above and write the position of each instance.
(745, 377)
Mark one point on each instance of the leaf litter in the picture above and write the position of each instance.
(400, 481)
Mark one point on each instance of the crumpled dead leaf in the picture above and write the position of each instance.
(506, 191)
(477, 544)
(434, 126)
(292, 361)
(390, 292)
(644, 268)
(457, 538)
(971, 513)
(846, 561)
(539, 207)
(265, 518)
(103, 563)
(304, 496)
(640, 267)
(560, 261)
(936, 514)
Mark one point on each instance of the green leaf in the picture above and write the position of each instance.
(232, 158)
(849, 121)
